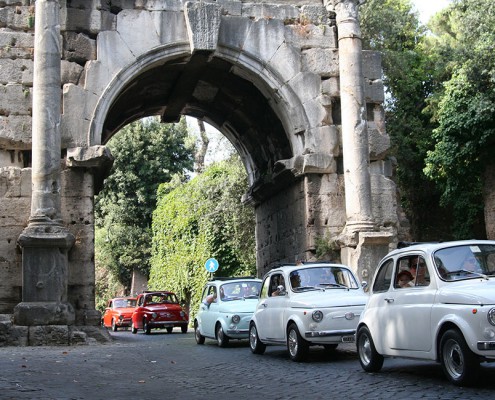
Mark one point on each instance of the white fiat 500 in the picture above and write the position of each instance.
(432, 302)
(303, 305)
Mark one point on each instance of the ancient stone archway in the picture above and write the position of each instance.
(286, 82)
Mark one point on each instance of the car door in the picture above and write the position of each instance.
(270, 309)
(409, 308)
(209, 311)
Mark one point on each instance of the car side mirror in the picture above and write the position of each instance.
(364, 284)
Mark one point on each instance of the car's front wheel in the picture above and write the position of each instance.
(114, 325)
(146, 327)
(256, 345)
(200, 339)
(370, 359)
(222, 338)
(169, 330)
(133, 328)
(183, 328)
(459, 363)
(297, 346)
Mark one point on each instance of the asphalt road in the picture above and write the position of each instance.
(172, 366)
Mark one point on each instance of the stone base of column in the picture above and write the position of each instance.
(370, 249)
(43, 313)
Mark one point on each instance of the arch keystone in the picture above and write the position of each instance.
(203, 25)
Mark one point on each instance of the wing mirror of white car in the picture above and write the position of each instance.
(364, 284)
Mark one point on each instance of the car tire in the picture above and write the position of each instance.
(298, 347)
(133, 328)
(222, 338)
(369, 358)
(169, 330)
(114, 325)
(256, 345)
(460, 365)
(146, 327)
(200, 339)
(183, 328)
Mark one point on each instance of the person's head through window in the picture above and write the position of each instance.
(404, 279)
(470, 263)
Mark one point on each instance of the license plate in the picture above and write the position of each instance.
(348, 339)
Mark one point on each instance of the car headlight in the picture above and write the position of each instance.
(153, 316)
(317, 316)
(491, 316)
(236, 319)
(182, 314)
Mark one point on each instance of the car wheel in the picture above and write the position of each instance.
(133, 328)
(222, 338)
(200, 339)
(183, 328)
(114, 325)
(459, 363)
(369, 358)
(169, 330)
(256, 345)
(297, 346)
(146, 327)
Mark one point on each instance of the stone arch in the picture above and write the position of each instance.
(285, 104)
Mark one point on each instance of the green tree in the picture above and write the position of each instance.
(198, 220)
(412, 74)
(146, 154)
(465, 110)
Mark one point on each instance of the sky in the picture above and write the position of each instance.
(427, 8)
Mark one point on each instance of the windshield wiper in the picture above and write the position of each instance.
(336, 285)
(468, 272)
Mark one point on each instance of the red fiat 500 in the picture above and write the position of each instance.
(118, 312)
(158, 310)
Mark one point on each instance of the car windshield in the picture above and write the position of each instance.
(162, 298)
(316, 278)
(240, 290)
(122, 303)
(465, 262)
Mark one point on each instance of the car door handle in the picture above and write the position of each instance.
(264, 304)
(389, 300)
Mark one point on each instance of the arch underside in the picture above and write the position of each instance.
(205, 87)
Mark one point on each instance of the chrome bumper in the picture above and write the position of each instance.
(347, 335)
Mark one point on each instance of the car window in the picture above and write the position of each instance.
(265, 288)
(411, 271)
(209, 295)
(383, 277)
(277, 285)
(465, 262)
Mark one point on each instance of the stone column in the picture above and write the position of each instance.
(45, 242)
(354, 125)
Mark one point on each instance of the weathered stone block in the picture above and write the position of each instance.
(307, 36)
(15, 99)
(324, 62)
(372, 65)
(16, 131)
(93, 21)
(49, 335)
(78, 47)
(374, 91)
(16, 71)
(15, 45)
(203, 24)
(286, 61)
(71, 72)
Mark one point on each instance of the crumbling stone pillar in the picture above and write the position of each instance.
(354, 125)
(45, 241)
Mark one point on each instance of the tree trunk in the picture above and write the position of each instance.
(199, 157)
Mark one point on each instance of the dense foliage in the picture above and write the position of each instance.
(198, 220)
(465, 109)
(146, 153)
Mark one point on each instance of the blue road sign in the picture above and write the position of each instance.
(211, 265)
